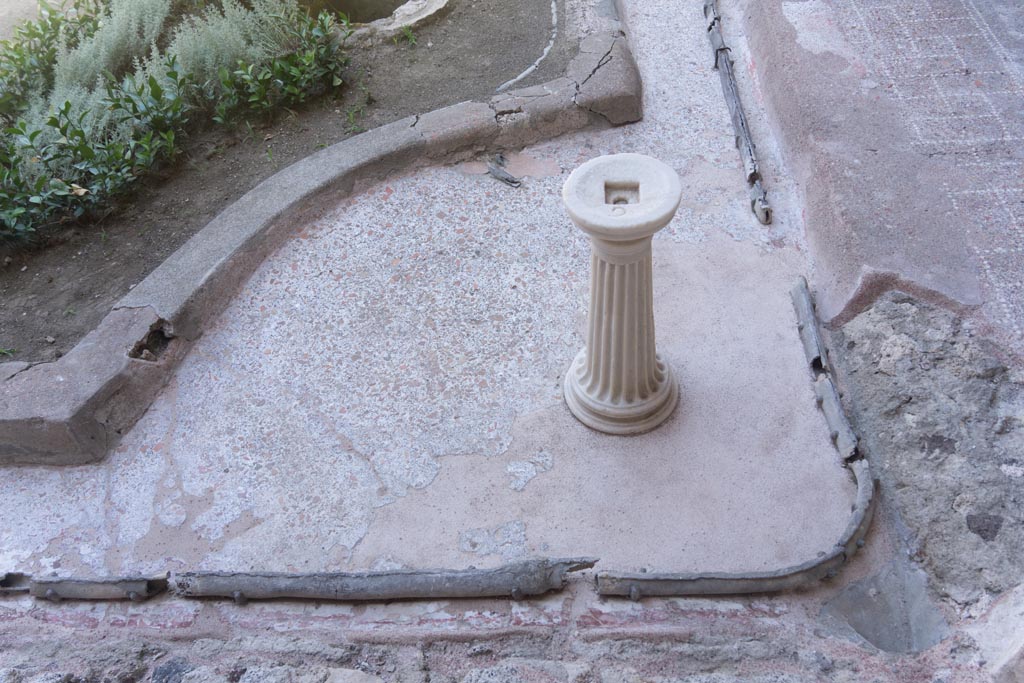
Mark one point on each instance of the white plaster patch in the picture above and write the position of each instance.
(386, 563)
(400, 471)
(133, 489)
(1014, 471)
(522, 471)
(507, 540)
(55, 509)
(816, 29)
(172, 514)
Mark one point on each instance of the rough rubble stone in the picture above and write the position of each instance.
(171, 672)
(350, 676)
(942, 418)
(205, 674)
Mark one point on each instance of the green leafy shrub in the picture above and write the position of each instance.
(68, 168)
(127, 33)
(94, 96)
(313, 64)
(227, 33)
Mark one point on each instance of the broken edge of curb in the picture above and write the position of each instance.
(73, 411)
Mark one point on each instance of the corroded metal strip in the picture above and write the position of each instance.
(744, 141)
(863, 508)
(759, 202)
(807, 324)
(14, 582)
(839, 427)
(516, 580)
(636, 586)
(132, 588)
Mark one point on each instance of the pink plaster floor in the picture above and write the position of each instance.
(385, 390)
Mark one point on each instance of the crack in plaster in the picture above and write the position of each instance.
(605, 59)
(28, 366)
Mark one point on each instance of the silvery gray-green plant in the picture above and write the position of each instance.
(89, 101)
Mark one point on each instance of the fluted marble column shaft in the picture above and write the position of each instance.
(618, 383)
(619, 360)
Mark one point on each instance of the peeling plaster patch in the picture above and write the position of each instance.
(1014, 471)
(401, 471)
(264, 478)
(816, 29)
(45, 528)
(522, 471)
(133, 490)
(507, 540)
(172, 514)
(302, 519)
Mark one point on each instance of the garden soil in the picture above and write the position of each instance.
(58, 289)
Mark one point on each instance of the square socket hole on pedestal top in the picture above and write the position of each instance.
(621, 193)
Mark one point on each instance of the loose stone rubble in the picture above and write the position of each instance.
(942, 415)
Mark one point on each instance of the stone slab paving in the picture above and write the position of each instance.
(385, 391)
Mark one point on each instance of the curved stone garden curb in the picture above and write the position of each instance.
(73, 410)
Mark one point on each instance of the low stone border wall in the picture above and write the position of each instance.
(73, 411)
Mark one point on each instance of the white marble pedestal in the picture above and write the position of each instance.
(618, 383)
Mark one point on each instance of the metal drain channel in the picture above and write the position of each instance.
(516, 580)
